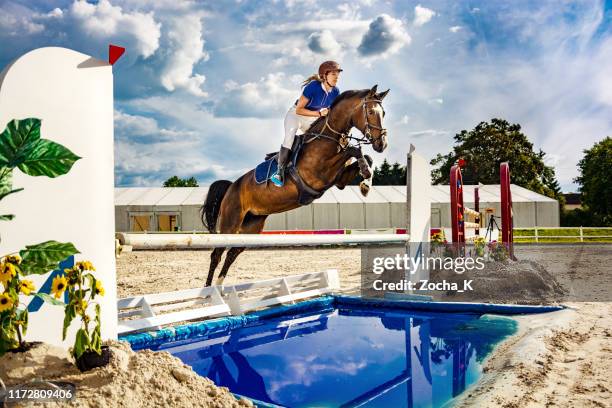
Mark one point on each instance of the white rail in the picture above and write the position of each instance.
(153, 311)
(201, 241)
(469, 211)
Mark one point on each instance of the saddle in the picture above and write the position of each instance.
(265, 170)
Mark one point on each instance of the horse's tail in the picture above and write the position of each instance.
(210, 210)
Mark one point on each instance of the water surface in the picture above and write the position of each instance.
(349, 357)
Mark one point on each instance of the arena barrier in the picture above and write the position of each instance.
(151, 312)
(459, 211)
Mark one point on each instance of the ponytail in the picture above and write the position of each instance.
(314, 77)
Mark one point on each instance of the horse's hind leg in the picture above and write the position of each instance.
(230, 219)
(215, 258)
(252, 224)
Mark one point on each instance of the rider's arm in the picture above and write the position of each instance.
(300, 108)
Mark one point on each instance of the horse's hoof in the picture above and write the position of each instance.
(365, 188)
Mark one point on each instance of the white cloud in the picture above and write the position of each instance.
(349, 11)
(16, 21)
(385, 36)
(187, 49)
(317, 25)
(103, 20)
(422, 15)
(143, 128)
(429, 133)
(323, 42)
(56, 12)
(455, 29)
(265, 98)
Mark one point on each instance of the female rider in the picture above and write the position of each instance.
(319, 93)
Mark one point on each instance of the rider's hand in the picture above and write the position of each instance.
(324, 112)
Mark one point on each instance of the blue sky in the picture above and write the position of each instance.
(203, 87)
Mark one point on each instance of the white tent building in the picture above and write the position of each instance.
(178, 209)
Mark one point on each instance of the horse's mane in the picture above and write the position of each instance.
(360, 93)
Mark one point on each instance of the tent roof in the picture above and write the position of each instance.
(169, 196)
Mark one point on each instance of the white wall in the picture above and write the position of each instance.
(73, 95)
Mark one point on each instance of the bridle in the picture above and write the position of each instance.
(346, 137)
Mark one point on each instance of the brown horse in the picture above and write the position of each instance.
(242, 207)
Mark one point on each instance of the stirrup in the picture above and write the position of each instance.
(275, 179)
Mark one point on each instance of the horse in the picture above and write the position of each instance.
(325, 159)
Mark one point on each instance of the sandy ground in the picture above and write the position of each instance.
(556, 359)
(144, 272)
(561, 359)
(130, 380)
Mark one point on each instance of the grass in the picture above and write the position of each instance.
(563, 235)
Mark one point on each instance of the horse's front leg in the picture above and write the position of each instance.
(365, 170)
(347, 174)
(363, 161)
(350, 172)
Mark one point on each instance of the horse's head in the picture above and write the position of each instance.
(368, 118)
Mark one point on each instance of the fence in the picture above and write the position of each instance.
(574, 234)
(153, 311)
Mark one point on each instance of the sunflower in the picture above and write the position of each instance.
(85, 266)
(59, 286)
(26, 287)
(81, 306)
(14, 259)
(73, 276)
(99, 288)
(7, 272)
(6, 302)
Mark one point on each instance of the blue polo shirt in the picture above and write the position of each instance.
(317, 97)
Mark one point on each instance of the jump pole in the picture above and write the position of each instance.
(459, 210)
(456, 198)
(507, 237)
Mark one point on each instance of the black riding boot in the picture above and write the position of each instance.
(283, 159)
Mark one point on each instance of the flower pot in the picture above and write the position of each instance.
(25, 346)
(91, 359)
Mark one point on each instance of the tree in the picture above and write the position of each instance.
(398, 174)
(174, 181)
(595, 180)
(386, 175)
(488, 145)
(382, 175)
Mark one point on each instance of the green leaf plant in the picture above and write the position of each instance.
(22, 147)
(82, 289)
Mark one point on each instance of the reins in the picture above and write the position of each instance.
(345, 137)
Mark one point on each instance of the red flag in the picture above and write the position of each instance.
(114, 53)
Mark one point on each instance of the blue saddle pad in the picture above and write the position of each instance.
(265, 170)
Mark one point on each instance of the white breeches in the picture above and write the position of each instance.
(293, 123)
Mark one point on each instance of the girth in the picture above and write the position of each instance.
(306, 194)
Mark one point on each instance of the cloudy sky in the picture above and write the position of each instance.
(203, 87)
